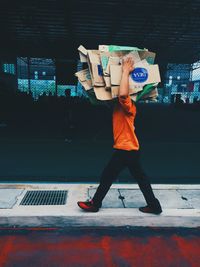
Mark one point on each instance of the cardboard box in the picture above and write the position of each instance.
(82, 54)
(111, 48)
(106, 61)
(104, 72)
(150, 95)
(143, 53)
(84, 78)
(149, 56)
(107, 81)
(113, 58)
(138, 78)
(115, 91)
(96, 68)
(102, 94)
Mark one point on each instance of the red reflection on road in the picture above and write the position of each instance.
(61, 248)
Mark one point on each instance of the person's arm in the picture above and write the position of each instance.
(127, 67)
(124, 98)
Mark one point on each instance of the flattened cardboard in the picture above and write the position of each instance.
(104, 74)
(114, 48)
(83, 75)
(149, 56)
(115, 91)
(96, 69)
(105, 56)
(153, 76)
(83, 58)
(85, 85)
(107, 81)
(82, 54)
(83, 50)
(84, 78)
(116, 74)
(115, 58)
(103, 48)
(135, 56)
(111, 61)
(141, 64)
(102, 94)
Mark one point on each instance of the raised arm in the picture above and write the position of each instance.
(124, 98)
(127, 67)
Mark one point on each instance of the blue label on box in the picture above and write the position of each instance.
(100, 70)
(139, 75)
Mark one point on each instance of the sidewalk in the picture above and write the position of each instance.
(180, 203)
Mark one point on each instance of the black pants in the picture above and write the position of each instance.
(121, 159)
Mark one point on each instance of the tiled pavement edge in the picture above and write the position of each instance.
(181, 206)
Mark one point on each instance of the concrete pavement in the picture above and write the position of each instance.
(180, 203)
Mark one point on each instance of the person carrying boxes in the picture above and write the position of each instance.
(126, 151)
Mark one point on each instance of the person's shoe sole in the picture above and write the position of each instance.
(88, 209)
(142, 209)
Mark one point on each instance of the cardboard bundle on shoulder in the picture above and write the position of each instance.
(104, 72)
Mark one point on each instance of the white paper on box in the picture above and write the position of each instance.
(116, 71)
(152, 70)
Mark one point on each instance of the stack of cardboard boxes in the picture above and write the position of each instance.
(101, 79)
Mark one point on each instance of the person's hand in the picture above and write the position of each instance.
(128, 65)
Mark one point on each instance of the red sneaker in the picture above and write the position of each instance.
(148, 209)
(88, 206)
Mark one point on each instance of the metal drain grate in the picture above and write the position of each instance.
(45, 197)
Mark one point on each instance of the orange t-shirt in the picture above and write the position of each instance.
(123, 124)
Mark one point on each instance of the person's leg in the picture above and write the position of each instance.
(109, 174)
(133, 162)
